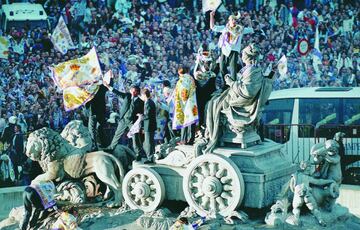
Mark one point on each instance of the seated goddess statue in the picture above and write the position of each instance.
(233, 115)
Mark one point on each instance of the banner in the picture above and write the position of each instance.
(4, 47)
(186, 111)
(79, 79)
(210, 5)
(61, 37)
(348, 25)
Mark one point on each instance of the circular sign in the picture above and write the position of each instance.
(303, 46)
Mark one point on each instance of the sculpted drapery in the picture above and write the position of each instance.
(241, 103)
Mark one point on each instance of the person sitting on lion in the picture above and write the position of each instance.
(60, 160)
(40, 197)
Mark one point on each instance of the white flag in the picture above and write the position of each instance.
(61, 37)
(316, 53)
(282, 65)
(135, 128)
(210, 5)
(107, 77)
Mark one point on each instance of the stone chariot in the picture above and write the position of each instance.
(218, 182)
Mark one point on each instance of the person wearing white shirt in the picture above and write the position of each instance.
(230, 43)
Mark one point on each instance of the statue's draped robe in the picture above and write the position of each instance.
(240, 103)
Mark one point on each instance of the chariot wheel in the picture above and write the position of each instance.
(143, 189)
(213, 184)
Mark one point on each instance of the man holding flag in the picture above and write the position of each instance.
(230, 42)
(81, 82)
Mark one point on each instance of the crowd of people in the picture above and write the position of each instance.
(145, 42)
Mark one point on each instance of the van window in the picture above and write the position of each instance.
(278, 112)
(276, 120)
(319, 113)
(352, 111)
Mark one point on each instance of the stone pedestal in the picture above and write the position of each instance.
(264, 169)
(244, 139)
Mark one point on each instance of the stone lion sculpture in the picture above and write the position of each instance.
(77, 135)
(61, 160)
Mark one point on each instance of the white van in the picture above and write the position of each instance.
(23, 14)
(301, 117)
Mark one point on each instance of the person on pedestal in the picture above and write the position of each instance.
(132, 105)
(230, 43)
(186, 110)
(168, 107)
(97, 109)
(205, 78)
(149, 124)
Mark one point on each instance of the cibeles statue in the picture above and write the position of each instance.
(233, 115)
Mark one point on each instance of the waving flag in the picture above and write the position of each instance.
(61, 37)
(4, 47)
(186, 110)
(79, 79)
(210, 5)
(282, 65)
(316, 54)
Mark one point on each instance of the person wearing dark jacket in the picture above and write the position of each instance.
(9, 132)
(149, 124)
(131, 106)
(97, 108)
(17, 150)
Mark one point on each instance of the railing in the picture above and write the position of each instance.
(296, 149)
(299, 138)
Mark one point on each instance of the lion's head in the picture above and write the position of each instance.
(43, 145)
(77, 135)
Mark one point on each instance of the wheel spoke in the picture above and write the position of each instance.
(220, 173)
(226, 195)
(212, 168)
(198, 194)
(227, 187)
(205, 170)
(152, 187)
(137, 179)
(221, 203)
(143, 201)
(205, 201)
(199, 177)
(226, 180)
(212, 204)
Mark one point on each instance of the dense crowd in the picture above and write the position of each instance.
(147, 41)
